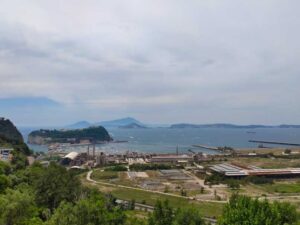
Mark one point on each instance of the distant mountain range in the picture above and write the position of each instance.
(79, 125)
(120, 122)
(226, 125)
(127, 122)
(132, 123)
(133, 126)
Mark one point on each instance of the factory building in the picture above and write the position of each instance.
(230, 170)
(168, 158)
(69, 159)
(101, 159)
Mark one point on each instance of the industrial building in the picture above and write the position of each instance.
(230, 170)
(70, 158)
(169, 158)
(5, 154)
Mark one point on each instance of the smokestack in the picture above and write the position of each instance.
(94, 147)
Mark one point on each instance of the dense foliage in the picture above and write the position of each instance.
(53, 195)
(35, 195)
(98, 133)
(242, 210)
(116, 168)
(9, 131)
(164, 214)
(143, 167)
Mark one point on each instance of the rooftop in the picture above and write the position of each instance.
(233, 170)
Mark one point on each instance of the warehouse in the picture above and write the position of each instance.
(230, 170)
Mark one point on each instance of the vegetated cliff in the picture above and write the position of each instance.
(11, 137)
(94, 134)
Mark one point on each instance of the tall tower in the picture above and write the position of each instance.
(94, 148)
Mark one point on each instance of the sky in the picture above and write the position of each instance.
(158, 61)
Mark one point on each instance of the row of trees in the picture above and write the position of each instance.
(143, 167)
(164, 214)
(241, 210)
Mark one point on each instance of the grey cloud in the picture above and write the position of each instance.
(163, 61)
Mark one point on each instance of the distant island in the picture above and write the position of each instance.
(227, 125)
(87, 135)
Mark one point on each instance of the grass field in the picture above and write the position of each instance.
(206, 208)
(282, 188)
(210, 209)
(104, 175)
(270, 163)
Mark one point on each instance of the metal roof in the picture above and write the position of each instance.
(232, 170)
(71, 155)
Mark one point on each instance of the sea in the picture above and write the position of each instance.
(168, 140)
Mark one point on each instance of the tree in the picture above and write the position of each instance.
(287, 151)
(183, 192)
(55, 185)
(162, 214)
(188, 216)
(131, 204)
(233, 184)
(90, 211)
(19, 160)
(242, 210)
(17, 207)
(4, 168)
(5, 182)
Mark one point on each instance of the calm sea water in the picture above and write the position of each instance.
(166, 140)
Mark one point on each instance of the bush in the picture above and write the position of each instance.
(259, 180)
(245, 210)
(214, 179)
(233, 184)
(116, 168)
(143, 167)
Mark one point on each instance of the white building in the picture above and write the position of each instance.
(5, 154)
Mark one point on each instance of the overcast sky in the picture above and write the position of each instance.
(159, 61)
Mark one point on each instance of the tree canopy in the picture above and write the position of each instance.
(243, 210)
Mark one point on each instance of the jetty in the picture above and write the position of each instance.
(207, 147)
(274, 142)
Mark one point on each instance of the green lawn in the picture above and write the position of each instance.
(104, 175)
(282, 188)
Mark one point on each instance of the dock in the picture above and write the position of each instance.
(273, 143)
(207, 147)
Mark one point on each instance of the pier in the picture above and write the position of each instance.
(273, 143)
(207, 147)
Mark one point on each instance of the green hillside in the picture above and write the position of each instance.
(11, 137)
